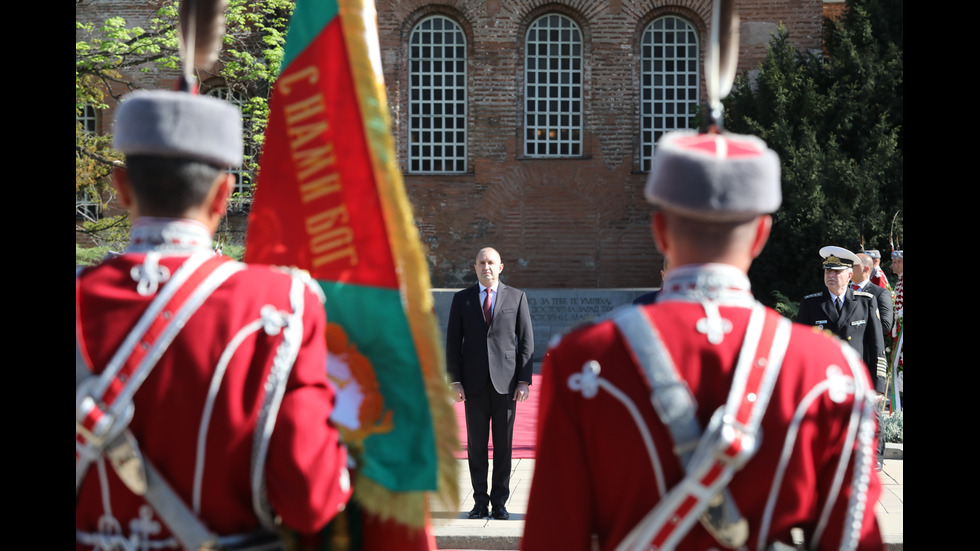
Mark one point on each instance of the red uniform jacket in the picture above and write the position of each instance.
(594, 474)
(305, 479)
(878, 278)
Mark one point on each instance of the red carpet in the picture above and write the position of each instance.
(525, 425)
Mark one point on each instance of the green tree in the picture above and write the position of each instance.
(835, 120)
(112, 57)
(108, 60)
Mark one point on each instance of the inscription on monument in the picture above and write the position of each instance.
(554, 311)
(569, 309)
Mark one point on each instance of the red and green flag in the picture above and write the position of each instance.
(330, 199)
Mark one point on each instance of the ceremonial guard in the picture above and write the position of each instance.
(898, 266)
(624, 402)
(202, 404)
(897, 338)
(878, 276)
(705, 420)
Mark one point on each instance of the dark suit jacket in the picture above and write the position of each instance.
(857, 325)
(885, 307)
(504, 349)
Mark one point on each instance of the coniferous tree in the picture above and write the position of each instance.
(835, 119)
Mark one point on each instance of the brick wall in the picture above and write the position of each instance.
(556, 222)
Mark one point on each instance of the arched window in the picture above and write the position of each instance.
(437, 97)
(669, 84)
(242, 194)
(553, 88)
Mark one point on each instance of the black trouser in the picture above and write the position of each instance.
(490, 413)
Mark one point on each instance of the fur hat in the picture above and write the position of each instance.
(714, 177)
(181, 125)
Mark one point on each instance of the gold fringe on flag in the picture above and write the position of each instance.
(359, 22)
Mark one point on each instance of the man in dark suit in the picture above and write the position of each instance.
(489, 344)
(861, 281)
(851, 315)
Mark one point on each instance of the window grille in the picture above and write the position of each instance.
(88, 118)
(553, 88)
(669, 81)
(242, 194)
(87, 205)
(437, 97)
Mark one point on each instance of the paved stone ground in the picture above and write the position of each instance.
(454, 531)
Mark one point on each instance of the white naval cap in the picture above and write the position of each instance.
(837, 258)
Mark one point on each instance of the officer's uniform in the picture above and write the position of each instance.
(857, 324)
(606, 464)
(883, 300)
(234, 413)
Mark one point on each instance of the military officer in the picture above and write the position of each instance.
(637, 409)
(851, 315)
(202, 403)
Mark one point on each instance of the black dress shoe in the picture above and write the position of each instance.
(500, 513)
(478, 512)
